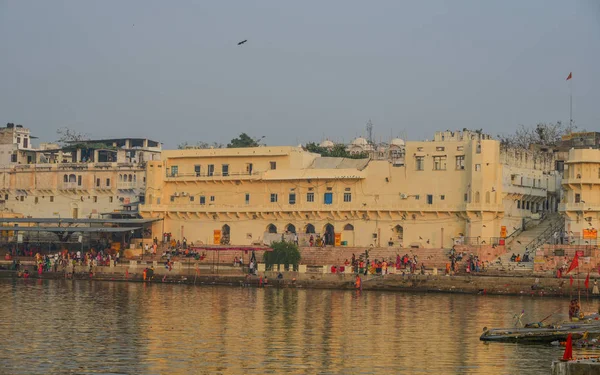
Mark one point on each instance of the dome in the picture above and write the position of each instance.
(326, 144)
(360, 142)
(397, 142)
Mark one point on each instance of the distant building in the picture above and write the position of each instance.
(81, 180)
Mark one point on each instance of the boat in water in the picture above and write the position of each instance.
(542, 335)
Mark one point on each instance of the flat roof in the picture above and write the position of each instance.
(76, 221)
(70, 229)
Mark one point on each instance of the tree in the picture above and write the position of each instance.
(244, 140)
(338, 150)
(67, 135)
(283, 253)
(545, 134)
(199, 145)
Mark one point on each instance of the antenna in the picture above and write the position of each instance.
(370, 131)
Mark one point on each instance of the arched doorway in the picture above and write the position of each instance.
(225, 235)
(310, 228)
(399, 232)
(291, 228)
(271, 228)
(329, 234)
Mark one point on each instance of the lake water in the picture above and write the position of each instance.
(92, 327)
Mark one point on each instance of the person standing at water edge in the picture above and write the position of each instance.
(595, 288)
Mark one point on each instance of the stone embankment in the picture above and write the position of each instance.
(481, 284)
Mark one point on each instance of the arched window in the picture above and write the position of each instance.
(120, 178)
(476, 197)
(130, 178)
(290, 228)
(72, 178)
(487, 197)
(348, 227)
(271, 228)
(65, 178)
(399, 231)
(134, 178)
(309, 228)
(225, 234)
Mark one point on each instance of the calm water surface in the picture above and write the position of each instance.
(87, 327)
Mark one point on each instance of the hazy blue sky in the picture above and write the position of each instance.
(171, 70)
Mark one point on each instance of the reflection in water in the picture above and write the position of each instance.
(54, 327)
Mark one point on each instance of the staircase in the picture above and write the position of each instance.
(529, 241)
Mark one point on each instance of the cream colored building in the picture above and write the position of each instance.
(84, 180)
(581, 203)
(457, 186)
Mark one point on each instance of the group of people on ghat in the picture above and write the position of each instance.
(362, 265)
(518, 259)
(61, 261)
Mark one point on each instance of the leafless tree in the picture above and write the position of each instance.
(546, 134)
(68, 135)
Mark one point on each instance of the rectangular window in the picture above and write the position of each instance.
(273, 165)
(347, 197)
(577, 198)
(172, 198)
(478, 148)
(247, 198)
(273, 198)
(527, 204)
(36, 199)
(442, 197)
(202, 200)
(197, 170)
(78, 180)
(157, 200)
(174, 170)
(22, 198)
(95, 199)
(420, 163)
(310, 197)
(212, 198)
(417, 197)
(466, 197)
(328, 198)
(460, 162)
(292, 198)
(97, 182)
(477, 167)
(225, 170)
(51, 199)
(429, 199)
(13, 158)
(107, 182)
(440, 148)
(211, 170)
(191, 198)
(249, 168)
(439, 163)
(519, 205)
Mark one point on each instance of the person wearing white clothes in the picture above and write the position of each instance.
(595, 288)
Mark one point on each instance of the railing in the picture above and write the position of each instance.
(556, 227)
(214, 174)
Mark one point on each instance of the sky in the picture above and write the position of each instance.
(172, 70)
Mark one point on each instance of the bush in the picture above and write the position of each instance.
(283, 253)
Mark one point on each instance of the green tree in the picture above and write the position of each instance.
(244, 140)
(283, 253)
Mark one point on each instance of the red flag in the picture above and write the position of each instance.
(587, 281)
(571, 280)
(570, 76)
(568, 349)
(574, 263)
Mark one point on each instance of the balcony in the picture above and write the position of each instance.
(70, 186)
(581, 180)
(584, 207)
(215, 176)
(126, 185)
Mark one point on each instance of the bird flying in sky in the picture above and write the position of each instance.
(242, 42)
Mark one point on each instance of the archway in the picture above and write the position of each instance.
(310, 228)
(72, 178)
(225, 235)
(399, 232)
(271, 228)
(329, 234)
(291, 228)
